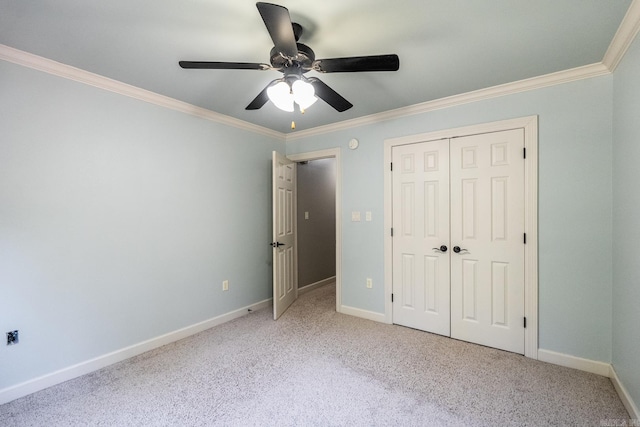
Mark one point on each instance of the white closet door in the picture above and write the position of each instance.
(487, 224)
(421, 227)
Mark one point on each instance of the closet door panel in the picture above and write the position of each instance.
(487, 235)
(421, 232)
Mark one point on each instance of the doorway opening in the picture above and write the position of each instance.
(322, 165)
(316, 223)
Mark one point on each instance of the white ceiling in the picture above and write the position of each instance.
(446, 47)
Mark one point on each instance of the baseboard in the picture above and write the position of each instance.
(595, 367)
(19, 390)
(587, 365)
(316, 285)
(365, 314)
(628, 402)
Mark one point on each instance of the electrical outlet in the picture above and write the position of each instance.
(225, 285)
(12, 337)
(369, 283)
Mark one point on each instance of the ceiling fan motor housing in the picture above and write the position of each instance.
(305, 58)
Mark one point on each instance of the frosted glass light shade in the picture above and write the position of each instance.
(280, 95)
(303, 94)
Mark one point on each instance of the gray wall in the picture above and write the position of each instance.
(119, 220)
(626, 222)
(316, 235)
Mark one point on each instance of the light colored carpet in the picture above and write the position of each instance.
(317, 367)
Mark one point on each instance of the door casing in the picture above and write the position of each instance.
(530, 126)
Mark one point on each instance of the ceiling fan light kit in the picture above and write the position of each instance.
(294, 59)
(284, 94)
(303, 94)
(281, 96)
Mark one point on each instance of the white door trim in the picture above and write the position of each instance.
(530, 126)
(326, 154)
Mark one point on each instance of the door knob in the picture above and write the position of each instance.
(276, 244)
(458, 249)
(442, 248)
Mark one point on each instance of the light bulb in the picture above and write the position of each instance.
(303, 94)
(280, 95)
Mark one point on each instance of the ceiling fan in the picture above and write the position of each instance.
(294, 60)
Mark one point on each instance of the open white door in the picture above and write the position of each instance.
(285, 275)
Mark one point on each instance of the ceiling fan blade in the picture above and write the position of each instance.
(329, 95)
(204, 65)
(358, 63)
(259, 100)
(278, 22)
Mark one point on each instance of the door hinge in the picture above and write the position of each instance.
(524, 152)
(525, 322)
(391, 297)
(525, 238)
(391, 231)
(391, 166)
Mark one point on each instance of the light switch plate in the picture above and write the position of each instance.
(368, 216)
(355, 216)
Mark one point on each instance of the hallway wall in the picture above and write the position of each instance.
(317, 234)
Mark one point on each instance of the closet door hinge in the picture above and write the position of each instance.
(391, 231)
(524, 152)
(391, 166)
(391, 297)
(525, 238)
(525, 322)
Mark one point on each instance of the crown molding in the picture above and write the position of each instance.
(623, 38)
(81, 76)
(560, 77)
